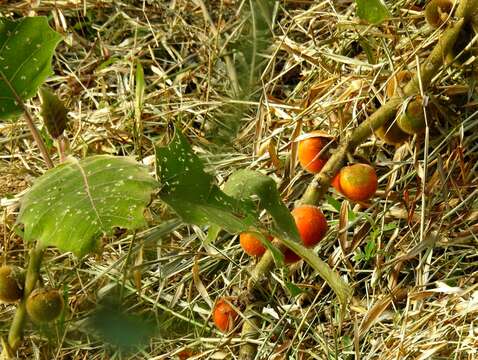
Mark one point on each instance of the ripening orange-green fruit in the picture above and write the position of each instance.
(308, 153)
(224, 315)
(311, 223)
(358, 182)
(412, 120)
(251, 244)
(12, 280)
(438, 11)
(398, 81)
(44, 305)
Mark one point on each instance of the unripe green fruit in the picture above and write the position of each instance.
(44, 305)
(412, 121)
(12, 279)
(391, 134)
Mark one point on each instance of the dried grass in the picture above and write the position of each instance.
(321, 69)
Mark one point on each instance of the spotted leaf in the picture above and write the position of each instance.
(192, 193)
(26, 50)
(70, 206)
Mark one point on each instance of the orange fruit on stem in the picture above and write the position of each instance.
(311, 223)
(312, 227)
(308, 152)
(224, 315)
(251, 244)
(358, 182)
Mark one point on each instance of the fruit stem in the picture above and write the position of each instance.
(31, 279)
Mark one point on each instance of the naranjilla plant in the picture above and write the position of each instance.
(77, 205)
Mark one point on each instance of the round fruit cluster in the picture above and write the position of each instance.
(357, 182)
(43, 304)
(311, 224)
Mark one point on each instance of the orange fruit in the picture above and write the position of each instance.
(312, 227)
(358, 182)
(251, 244)
(308, 153)
(224, 315)
(311, 223)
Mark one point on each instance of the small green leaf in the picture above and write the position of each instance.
(192, 193)
(71, 205)
(26, 50)
(294, 289)
(372, 11)
(53, 112)
(333, 202)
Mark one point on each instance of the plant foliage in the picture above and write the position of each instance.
(70, 206)
(26, 50)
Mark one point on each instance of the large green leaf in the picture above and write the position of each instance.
(26, 50)
(373, 11)
(71, 205)
(191, 192)
(244, 184)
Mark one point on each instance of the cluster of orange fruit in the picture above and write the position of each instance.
(357, 182)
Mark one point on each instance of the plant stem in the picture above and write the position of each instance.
(31, 278)
(30, 123)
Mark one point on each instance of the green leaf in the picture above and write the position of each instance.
(248, 183)
(26, 50)
(372, 11)
(120, 328)
(192, 193)
(71, 205)
(294, 290)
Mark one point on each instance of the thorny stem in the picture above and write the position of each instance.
(31, 278)
(320, 184)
